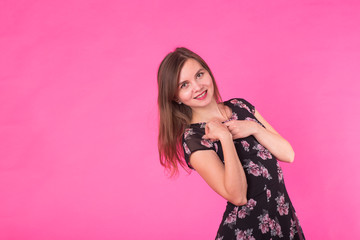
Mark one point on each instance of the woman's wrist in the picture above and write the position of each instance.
(257, 129)
(226, 137)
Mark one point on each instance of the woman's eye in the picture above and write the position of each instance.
(183, 85)
(200, 74)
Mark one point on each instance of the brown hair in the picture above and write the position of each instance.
(174, 117)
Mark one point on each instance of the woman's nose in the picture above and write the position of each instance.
(196, 86)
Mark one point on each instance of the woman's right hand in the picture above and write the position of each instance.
(215, 130)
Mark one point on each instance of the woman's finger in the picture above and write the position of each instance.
(231, 127)
(228, 123)
(205, 137)
(206, 129)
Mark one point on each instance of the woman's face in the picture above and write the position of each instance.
(195, 87)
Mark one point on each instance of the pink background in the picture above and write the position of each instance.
(78, 126)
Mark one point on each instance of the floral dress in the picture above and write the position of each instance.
(269, 213)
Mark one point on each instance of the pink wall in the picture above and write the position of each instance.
(78, 125)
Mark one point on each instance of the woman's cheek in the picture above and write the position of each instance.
(185, 95)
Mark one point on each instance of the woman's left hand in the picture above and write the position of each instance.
(241, 128)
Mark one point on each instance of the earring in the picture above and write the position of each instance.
(179, 102)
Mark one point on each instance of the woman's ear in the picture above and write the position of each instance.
(177, 101)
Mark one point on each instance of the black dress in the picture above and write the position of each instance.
(268, 213)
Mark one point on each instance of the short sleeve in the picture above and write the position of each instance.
(192, 141)
(242, 103)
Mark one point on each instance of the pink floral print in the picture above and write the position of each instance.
(257, 169)
(282, 207)
(252, 168)
(231, 218)
(263, 153)
(207, 143)
(280, 173)
(186, 149)
(292, 229)
(188, 132)
(245, 145)
(240, 104)
(268, 193)
(234, 116)
(244, 235)
(267, 224)
(245, 210)
(265, 173)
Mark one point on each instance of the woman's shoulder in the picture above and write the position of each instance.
(192, 141)
(235, 100)
(240, 103)
(195, 130)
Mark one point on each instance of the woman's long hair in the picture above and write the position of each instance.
(174, 117)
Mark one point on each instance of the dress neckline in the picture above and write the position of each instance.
(226, 103)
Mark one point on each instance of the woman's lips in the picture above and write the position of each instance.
(202, 95)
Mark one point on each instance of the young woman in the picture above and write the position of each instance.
(233, 148)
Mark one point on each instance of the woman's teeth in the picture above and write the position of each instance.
(201, 95)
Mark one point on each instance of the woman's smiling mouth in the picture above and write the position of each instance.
(202, 95)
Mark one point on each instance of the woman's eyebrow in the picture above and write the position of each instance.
(180, 82)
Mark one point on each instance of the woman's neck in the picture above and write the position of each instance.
(212, 111)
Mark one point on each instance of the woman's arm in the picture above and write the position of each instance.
(273, 141)
(228, 179)
(268, 136)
